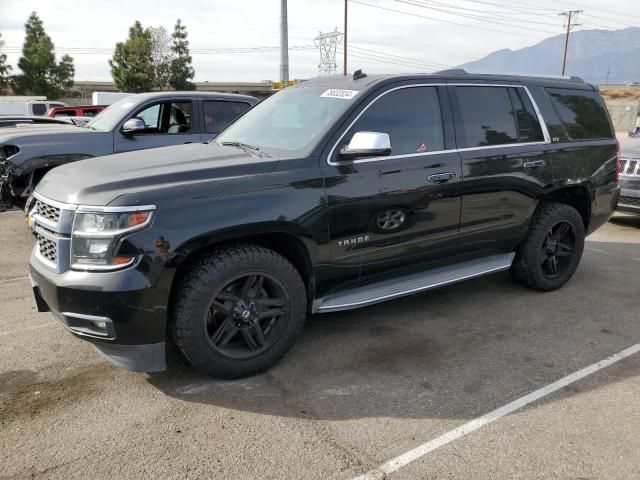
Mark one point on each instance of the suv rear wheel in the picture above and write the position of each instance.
(550, 254)
(238, 311)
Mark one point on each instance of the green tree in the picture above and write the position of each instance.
(181, 71)
(132, 66)
(5, 69)
(40, 73)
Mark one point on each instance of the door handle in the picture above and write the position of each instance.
(441, 177)
(533, 164)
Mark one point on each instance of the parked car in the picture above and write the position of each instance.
(13, 120)
(146, 120)
(81, 111)
(630, 173)
(30, 107)
(330, 195)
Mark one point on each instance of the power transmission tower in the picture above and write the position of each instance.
(571, 19)
(327, 44)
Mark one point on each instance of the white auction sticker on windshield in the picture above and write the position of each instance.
(339, 93)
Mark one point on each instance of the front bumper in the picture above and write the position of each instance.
(630, 196)
(120, 312)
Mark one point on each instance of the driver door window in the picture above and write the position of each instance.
(411, 117)
(150, 116)
(166, 118)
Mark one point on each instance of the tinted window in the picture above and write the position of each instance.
(66, 113)
(581, 112)
(487, 116)
(217, 115)
(411, 117)
(527, 122)
(39, 108)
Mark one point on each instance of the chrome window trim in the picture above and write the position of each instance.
(543, 125)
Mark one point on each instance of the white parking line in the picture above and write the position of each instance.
(34, 327)
(596, 250)
(14, 279)
(403, 460)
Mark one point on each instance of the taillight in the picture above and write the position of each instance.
(618, 161)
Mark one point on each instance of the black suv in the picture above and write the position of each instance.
(334, 194)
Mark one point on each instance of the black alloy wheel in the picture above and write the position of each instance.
(557, 249)
(247, 316)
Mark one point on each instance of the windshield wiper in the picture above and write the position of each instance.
(245, 146)
(235, 143)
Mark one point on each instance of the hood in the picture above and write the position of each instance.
(629, 147)
(98, 181)
(37, 143)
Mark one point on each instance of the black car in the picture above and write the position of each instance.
(630, 173)
(334, 194)
(13, 120)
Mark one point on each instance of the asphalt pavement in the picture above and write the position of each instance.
(360, 388)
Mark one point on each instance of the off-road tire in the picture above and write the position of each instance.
(526, 269)
(192, 301)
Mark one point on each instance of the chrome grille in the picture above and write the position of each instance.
(48, 248)
(632, 201)
(630, 167)
(47, 211)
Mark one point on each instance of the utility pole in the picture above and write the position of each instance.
(606, 82)
(571, 18)
(345, 37)
(284, 43)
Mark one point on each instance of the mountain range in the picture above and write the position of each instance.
(592, 53)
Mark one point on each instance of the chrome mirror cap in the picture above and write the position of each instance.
(133, 125)
(367, 144)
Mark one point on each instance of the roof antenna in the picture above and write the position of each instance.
(357, 75)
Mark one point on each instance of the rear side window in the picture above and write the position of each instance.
(582, 113)
(495, 116)
(219, 114)
(411, 117)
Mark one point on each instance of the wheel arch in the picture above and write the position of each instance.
(578, 197)
(288, 240)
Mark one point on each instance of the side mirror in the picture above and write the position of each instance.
(634, 132)
(132, 126)
(367, 144)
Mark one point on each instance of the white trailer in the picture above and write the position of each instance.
(107, 98)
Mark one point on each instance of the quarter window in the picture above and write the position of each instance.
(582, 113)
(411, 117)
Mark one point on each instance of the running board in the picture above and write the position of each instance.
(418, 282)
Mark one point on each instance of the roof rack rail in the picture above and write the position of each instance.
(453, 71)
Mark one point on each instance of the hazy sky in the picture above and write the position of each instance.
(383, 40)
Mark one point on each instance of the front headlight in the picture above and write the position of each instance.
(96, 233)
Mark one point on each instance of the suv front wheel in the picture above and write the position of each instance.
(238, 311)
(550, 254)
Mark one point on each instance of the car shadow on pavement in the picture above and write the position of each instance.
(627, 220)
(456, 352)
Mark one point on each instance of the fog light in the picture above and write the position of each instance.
(100, 324)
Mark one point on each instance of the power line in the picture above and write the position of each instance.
(490, 19)
(442, 20)
(401, 58)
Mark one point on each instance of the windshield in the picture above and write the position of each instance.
(289, 122)
(110, 116)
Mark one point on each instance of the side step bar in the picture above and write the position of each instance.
(418, 282)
